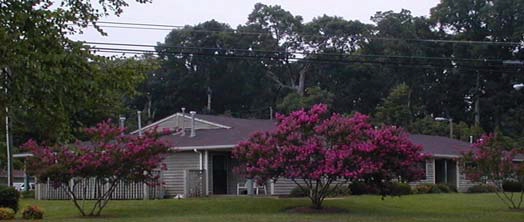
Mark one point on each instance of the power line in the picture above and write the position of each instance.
(309, 60)
(288, 53)
(132, 25)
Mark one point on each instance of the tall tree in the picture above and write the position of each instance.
(489, 87)
(55, 82)
(286, 30)
(213, 70)
(398, 108)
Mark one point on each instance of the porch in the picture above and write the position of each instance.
(214, 175)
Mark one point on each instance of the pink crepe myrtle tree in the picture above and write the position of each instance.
(110, 157)
(492, 161)
(320, 152)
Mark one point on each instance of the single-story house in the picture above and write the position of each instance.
(18, 177)
(203, 165)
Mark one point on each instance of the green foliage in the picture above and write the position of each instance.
(429, 126)
(7, 213)
(360, 188)
(313, 95)
(512, 186)
(424, 188)
(340, 191)
(444, 188)
(397, 108)
(33, 212)
(57, 84)
(482, 188)
(400, 189)
(27, 194)
(298, 192)
(9, 197)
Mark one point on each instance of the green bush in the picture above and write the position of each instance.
(297, 192)
(399, 189)
(512, 186)
(6, 213)
(433, 188)
(359, 188)
(444, 188)
(9, 197)
(482, 188)
(426, 188)
(33, 213)
(27, 194)
(338, 192)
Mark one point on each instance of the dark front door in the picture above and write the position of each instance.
(219, 174)
(446, 172)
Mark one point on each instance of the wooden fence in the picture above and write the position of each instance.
(93, 188)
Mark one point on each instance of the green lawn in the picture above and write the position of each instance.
(431, 207)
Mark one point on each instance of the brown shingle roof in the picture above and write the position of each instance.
(438, 145)
(241, 129)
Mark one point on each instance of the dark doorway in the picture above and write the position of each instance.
(446, 172)
(219, 174)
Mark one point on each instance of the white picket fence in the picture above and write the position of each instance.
(89, 189)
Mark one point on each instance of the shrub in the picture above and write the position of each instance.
(27, 194)
(33, 213)
(399, 189)
(298, 192)
(512, 186)
(444, 188)
(426, 188)
(9, 197)
(359, 188)
(482, 188)
(7, 213)
(338, 192)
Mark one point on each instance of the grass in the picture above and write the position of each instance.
(430, 207)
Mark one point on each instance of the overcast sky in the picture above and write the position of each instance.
(235, 12)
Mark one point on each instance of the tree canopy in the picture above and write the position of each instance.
(56, 85)
(452, 62)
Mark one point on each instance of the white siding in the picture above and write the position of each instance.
(464, 184)
(430, 173)
(177, 163)
(283, 186)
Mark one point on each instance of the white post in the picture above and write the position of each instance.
(446, 171)
(206, 168)
(200, 159)
(144, 185)
(8, 139)
(434, 172)
(458, 174)
(250, 190)
(272, 187)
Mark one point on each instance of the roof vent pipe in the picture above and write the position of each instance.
(122, 123)
(183, 127)
(193, 134)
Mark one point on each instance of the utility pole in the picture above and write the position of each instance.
(477, 101)
(209, 95)
(8, 138)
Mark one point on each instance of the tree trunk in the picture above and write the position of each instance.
(302, 80)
